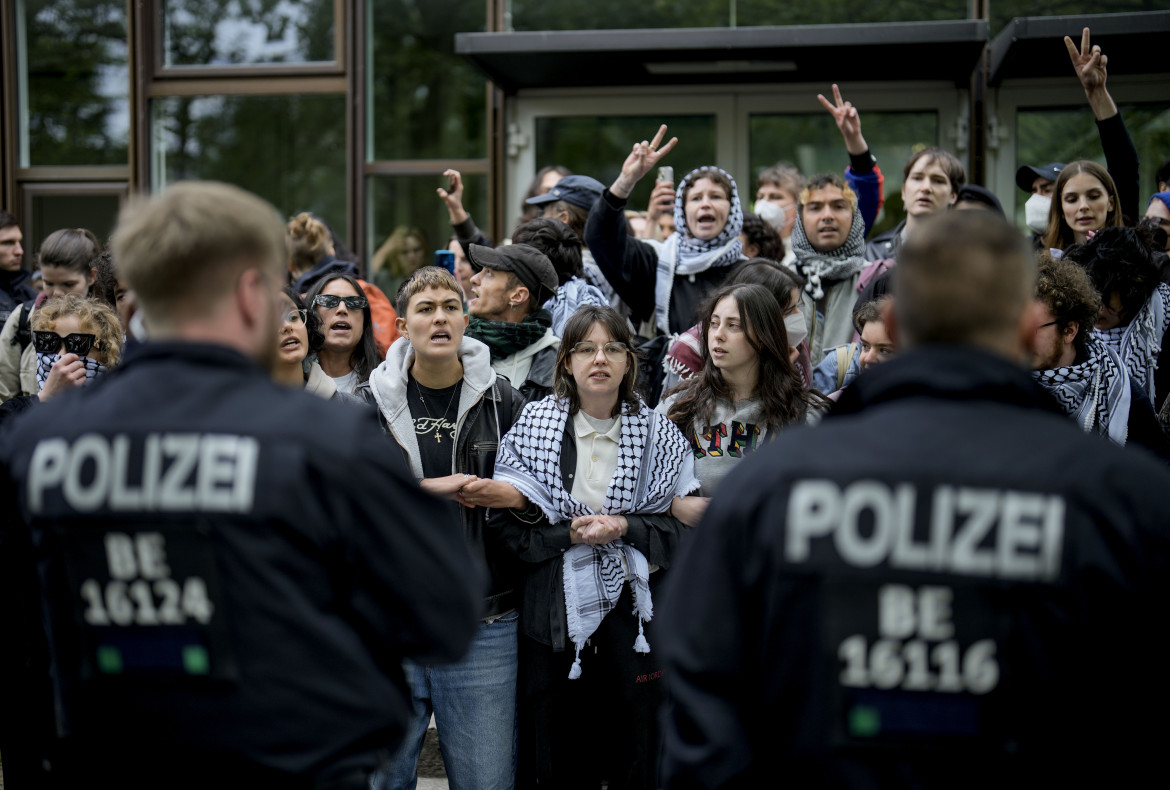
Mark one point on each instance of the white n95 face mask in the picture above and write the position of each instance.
(1036, 213)
(772, 213)
(796, 328)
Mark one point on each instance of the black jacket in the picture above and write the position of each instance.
(631, 267)
(282, 547)
(14, 289)
(542, 545)
(489, 418)
(884, 246)
(944, 584)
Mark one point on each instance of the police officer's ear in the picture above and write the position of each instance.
(1030, 323)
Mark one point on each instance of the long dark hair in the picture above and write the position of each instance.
(1059, 235)
(365, 355)
(576, 330)
(783, 397)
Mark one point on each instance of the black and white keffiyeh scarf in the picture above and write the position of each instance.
(655, 464)
(1095, 392)
(819, 268)
(694, 255)
(1138, 343)
(45, 363)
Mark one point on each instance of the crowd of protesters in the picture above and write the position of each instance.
(580, 393)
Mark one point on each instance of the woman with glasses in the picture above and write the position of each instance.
(600, 472)
(348, 353)
(68, 260)
(746, 390)
(298, 337)
(74, 341)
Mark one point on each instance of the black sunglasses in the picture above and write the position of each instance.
(329, 301)
(76, 343)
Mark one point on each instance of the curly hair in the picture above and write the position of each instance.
(577, 328)
(1065, 288)
(1118, 260)
(105, 285)
(760, 233)
(93, 316)
(560, 242)
(783, 397)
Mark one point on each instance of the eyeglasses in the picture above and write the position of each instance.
(50, 342)
(329, 301)
(587, 350)
(295, 316)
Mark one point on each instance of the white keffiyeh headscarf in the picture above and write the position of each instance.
(1095, 392)
(1139, 342)
(655, 464)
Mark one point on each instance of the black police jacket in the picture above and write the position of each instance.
(945, 584)
(232, 572)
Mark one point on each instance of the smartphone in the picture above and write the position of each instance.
(666, 175)
(445, 259)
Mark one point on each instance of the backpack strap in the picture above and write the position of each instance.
(23, 334)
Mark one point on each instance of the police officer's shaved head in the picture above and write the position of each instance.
(183, 250)
(964, 278)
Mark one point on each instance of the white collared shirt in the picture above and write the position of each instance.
(597, 455)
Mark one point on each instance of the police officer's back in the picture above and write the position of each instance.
(946, 584)
(231, 571)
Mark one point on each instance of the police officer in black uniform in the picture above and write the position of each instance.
(211, 580)
(945, 584)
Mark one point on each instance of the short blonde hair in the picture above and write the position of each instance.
(94, 317)
(183, 249)
(425, 277)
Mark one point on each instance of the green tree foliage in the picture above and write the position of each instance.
(221, 32)
(78, 82)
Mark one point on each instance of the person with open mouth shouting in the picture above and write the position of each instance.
(348, 353)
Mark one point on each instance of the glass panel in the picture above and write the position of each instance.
(618, 14)
(426, 102)
(814, 145)
(400, 203)
(233, 32)
(289, 150)
(1068, 134)
(75, 83)
(97, 213)
(597, 146)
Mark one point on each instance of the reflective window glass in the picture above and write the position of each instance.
(814, 145)
(290, 150)
(406, 214)
(426, 102)
(74, 90)
(1068, 134)
(597, 145)
(233, 32)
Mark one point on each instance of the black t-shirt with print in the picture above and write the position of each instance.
(434, 413)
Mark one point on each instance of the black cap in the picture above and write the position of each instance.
(973, 193)
(1028, 174)
(580, 191)
(531, 265)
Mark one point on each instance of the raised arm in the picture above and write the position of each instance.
(461, 222)
(1121, 157)
(863, 174)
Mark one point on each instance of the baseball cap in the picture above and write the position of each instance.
(529, 264)
(1027, 174)
(580, 191)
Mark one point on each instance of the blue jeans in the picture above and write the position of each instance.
(474, 702)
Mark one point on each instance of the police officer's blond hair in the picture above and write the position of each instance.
(963, 278)
(184, 249)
